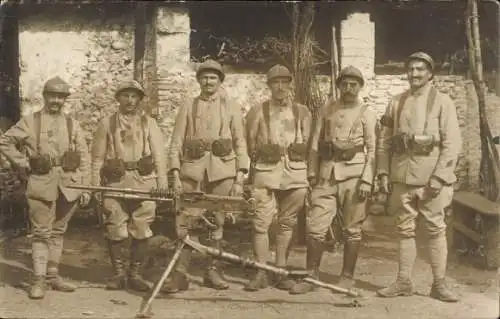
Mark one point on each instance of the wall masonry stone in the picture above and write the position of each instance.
(91, 54)
(357, 43)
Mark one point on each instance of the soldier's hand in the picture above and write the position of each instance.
(236, 189)
(229, 218)
(434, 187)
(177, 184)
(384, 185)
(23, 172)
(364, 190)
(312, 181)
(159, 192)
(85, 199)
(496, 140)
(98, 196)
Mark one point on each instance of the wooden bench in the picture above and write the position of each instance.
(476, 219)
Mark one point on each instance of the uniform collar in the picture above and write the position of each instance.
(421, 90)
(349, 106)
(284, 103)
(210, 98)
(46, 112)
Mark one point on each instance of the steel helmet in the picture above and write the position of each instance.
(211, 65)
(56, 85)
(350, 71)
(130, 85)
(422, 56)
(279, 71)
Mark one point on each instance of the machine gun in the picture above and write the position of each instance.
(209, 202)
(177, 201)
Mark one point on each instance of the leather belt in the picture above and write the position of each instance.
(131, 166)
(55, 161)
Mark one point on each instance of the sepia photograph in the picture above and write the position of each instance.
(249, 159)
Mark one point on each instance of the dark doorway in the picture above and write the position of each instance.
(9, 66)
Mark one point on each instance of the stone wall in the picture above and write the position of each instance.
(250, 89)
(92, 52)
(357, 43)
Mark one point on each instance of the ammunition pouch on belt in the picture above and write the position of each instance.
(297, 152)
(400, 143)
(222, 147)
(40, 164)
(196, 148)
(422, 144)
(344, 151)
(145, 165)
(113, 170)
(339, 151)
(269, 153)
(70, 161)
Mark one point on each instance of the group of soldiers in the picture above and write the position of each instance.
(328, 167)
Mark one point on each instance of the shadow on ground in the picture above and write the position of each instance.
(86, 259)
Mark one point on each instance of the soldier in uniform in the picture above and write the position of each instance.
(418, 151)
(128, 152)
(341, 169)
(277, 136)
(208, 152)
(56, 154)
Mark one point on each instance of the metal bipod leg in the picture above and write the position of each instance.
(145, 308)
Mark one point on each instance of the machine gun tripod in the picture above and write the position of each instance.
(145, 308)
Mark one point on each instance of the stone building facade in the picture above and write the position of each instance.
(94, 54)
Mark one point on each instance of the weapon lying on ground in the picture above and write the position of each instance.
(145, 308)
(176, 201)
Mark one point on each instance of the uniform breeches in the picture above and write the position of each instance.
(49, 219)
(187, 219)
(328, 200)
(284, 204)
(407, 202)
(123, 217)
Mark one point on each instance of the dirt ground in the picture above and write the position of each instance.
(85, 263)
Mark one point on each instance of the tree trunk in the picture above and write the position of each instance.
(306, 86)
(489, 179)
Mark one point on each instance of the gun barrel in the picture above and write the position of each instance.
(139, 197)
(109, 189)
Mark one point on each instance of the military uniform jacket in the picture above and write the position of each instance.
(282, 130)
(356, 124)
(442, 123)
(129, 144)
(54, 141)
(209, 119)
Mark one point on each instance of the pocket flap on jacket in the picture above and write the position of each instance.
(359, 158)
(297, 165)
(266, 166)
(228, 157)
